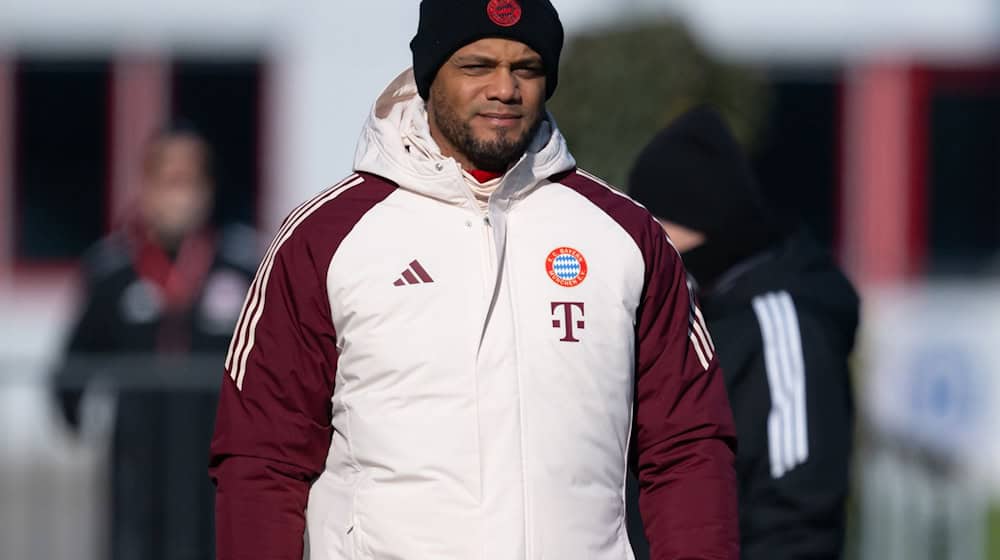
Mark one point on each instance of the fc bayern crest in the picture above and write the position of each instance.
(505, 13)
(566, 267)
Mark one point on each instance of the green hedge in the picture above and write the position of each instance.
(618, 87)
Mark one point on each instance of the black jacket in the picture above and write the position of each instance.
(784, 324)
(124, 314)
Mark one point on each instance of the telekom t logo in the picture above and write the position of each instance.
(568, 322)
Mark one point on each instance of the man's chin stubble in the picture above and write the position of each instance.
(497, 154)
(500, 152)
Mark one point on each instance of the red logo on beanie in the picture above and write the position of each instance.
(504, 13)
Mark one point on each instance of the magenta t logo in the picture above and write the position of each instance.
(568, 322)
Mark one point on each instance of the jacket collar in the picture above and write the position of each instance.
(396, 144)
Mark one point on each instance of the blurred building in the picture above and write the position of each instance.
(884, 132)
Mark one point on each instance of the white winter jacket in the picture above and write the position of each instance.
(415, 379)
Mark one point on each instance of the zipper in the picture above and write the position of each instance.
(489, 269)
(490, 266)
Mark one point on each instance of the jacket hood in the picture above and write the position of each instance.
(396, 144)
(799, 266)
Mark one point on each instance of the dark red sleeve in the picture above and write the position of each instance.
(684, 443)
(272, 430)
(685, 439)
(273, 425)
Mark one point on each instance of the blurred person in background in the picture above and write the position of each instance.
(165, 285)
(783, 318)
(441, 355)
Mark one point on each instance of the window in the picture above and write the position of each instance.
(64, 154)
(964, 186)
(60, 157)
(222, 98)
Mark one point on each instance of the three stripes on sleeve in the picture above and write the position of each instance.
(787, 427)
(253, 307)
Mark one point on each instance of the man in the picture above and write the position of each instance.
(441, 355)
(784, 319)
(166, 284)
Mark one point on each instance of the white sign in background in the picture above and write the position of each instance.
(930, 371)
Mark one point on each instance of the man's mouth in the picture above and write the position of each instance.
(501, 119)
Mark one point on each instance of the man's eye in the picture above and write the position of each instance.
(530, 72)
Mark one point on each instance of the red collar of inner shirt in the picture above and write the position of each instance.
(484, 176)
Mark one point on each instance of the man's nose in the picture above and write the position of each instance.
(503, 87)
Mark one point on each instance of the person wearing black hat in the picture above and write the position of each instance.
(783, 318)
(458, 351)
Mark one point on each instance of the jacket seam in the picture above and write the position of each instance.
(528, 540)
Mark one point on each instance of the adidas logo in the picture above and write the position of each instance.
(415, 274)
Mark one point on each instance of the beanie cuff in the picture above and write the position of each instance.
(448, 25)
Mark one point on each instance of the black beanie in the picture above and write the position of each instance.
(448, 25)
(694, 173)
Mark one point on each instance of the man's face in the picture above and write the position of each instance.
(177, 193)
(683, 238)
(487, 103)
